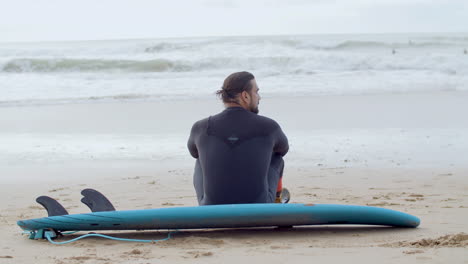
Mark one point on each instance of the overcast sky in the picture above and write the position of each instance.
(38, 20)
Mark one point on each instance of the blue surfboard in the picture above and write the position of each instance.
(224, 216)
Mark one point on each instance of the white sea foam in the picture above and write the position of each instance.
(173, 69)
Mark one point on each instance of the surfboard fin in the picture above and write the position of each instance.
(53, 207)
(96, 201)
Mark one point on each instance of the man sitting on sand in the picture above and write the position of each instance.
(238, 153)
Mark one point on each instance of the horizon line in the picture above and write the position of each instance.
(222, 36)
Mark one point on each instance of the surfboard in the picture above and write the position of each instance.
(223, 216)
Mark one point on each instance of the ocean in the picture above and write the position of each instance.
(377, 101)
(186, 68)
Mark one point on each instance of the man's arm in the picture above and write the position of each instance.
(281, 146)
(191, 141)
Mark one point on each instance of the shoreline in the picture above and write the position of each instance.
(399, 131)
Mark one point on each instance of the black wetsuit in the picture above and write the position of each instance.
(239, 157)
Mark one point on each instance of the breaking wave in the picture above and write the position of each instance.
(307, 43)
(269, 65)
(167, 46)
(91, 65)
(159, 65)
(351, 44)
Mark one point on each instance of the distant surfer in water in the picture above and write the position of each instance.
(239, 154)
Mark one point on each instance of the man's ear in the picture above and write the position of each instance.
(245, 95)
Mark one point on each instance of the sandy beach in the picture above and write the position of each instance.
(405, 152)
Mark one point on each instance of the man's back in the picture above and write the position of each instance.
(235, 151)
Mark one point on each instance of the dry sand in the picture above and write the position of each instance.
(438, 195)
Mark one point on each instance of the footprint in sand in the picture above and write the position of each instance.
(280, 247)
(455, 240)
(170, 204)
(134, 252)
(35, 207)
(58, 189)
(382, 204)
(197, 254)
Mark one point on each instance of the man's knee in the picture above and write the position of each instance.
(277, 163)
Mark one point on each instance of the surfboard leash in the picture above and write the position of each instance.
(51, 234)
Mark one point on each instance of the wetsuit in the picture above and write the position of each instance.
(239, 157)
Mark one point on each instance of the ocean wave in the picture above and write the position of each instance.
(191, 45)
(91, 65)
(167, 46)
(306, 43)
(450, 38)
(351, 44)
(268, 64)
(160, 65)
